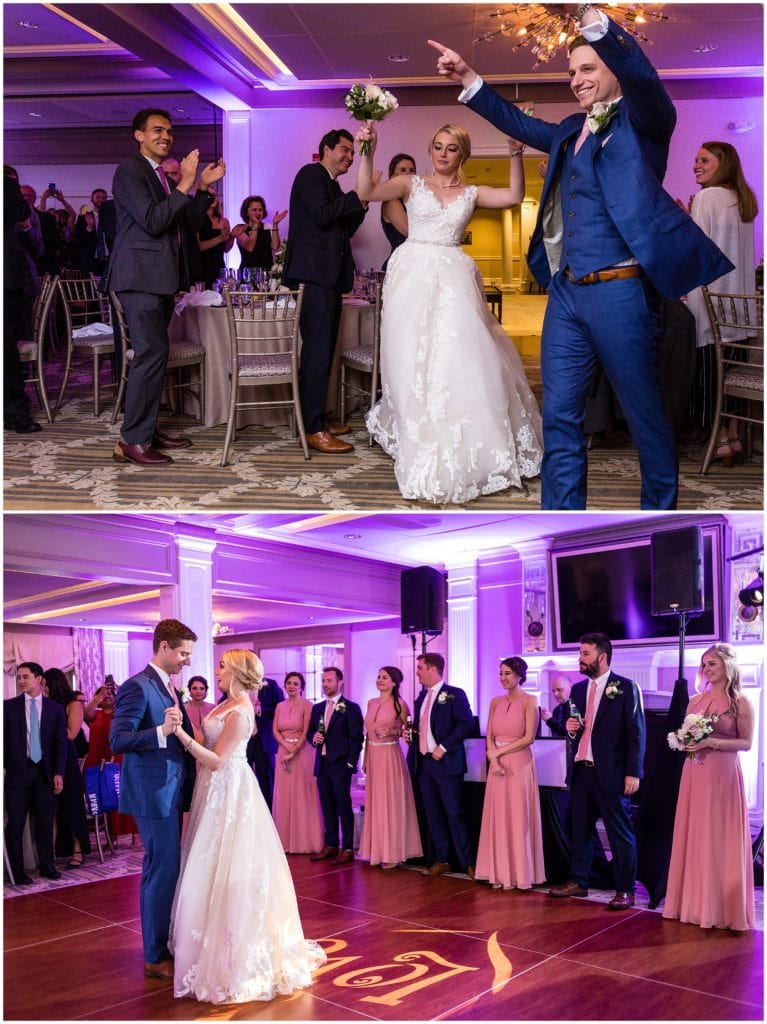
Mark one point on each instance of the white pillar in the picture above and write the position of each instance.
(191, 600)
(462, 629)
(241, 178)
(115, 648)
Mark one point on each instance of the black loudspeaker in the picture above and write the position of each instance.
(676, 559)
(422, 600)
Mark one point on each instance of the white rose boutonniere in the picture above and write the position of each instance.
(601, 115)
(612, 690)
(445, 697)
(340, 707)
(184, 695)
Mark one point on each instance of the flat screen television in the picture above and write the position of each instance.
(607, 588)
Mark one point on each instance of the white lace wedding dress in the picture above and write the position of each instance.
(235, 931)
(456, 413)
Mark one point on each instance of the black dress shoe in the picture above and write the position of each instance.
(139, 454)
(24, 880)
(51, 873)
(163, 440)
(26, 426)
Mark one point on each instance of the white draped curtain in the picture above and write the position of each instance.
(55, 651)
(88, 660)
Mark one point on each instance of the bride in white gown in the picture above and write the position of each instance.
(235, 931)
(456, 413)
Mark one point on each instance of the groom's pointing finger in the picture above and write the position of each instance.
(437, 46)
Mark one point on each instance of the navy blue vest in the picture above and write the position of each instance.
(590, 241)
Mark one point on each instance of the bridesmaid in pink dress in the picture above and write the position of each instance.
(198, 707)
(711, 878)
(510, 851)
(296, 801)
(390, 827)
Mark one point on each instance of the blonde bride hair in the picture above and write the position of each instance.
(246, 666)
(462, 140)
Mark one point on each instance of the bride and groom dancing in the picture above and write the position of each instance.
(456, 413)
(219, 915)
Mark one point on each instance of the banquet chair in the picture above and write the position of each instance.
(83, 307)
(364, 359)
(739, 364)
(258, 323)
(95, 820)
(180, 354)
(32, 351)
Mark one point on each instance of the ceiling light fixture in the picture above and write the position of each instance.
(33, 113)
(23, 23)
(399, 58)
(546, 33)
(705, 48)
(352, 536)
(741, 127)
(219, 629)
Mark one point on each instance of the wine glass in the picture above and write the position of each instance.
(245, 274)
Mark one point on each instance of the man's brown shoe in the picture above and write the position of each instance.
(344, 857)
(162, 439)
(140, 454)
(326, 442)
(470, 871)
(568, 889)
(163, 970)
(438, 868)
(325, 853)
(336, 429)
(621, 901)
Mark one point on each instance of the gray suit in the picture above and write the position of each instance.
(147, 267)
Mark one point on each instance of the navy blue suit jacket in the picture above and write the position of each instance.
(322, 222)
(451, 723)
(618, 734)
(343, 739)
(151, 777)
(53, 738)
(629, 166)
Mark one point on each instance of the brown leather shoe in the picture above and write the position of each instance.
(336, 429)
(470, 871)
(325, 853)
(163, 440)
(326, 442)
(621, 901)
(163, 970)
(438, 868)
(140, 454)
(344, 857)
(568, 889)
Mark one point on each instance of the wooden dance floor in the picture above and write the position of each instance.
(400, 946)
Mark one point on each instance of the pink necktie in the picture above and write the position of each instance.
(423, 725)
(172, 693)
(583, 136)
(163, 180)
(583, 746)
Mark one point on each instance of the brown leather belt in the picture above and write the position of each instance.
(586, 764)
(611, 274)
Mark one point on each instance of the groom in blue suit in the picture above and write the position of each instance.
(156, 780)
(609, 241)
(442, 720)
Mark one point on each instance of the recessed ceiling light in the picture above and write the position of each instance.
(705, 48)
(399, 58)
(23, 23)
(179, 110)
(33, 113)
(352, 536)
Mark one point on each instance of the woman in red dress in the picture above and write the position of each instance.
(98, 713)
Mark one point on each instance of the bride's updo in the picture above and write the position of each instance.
(246, 667)
(462, 140)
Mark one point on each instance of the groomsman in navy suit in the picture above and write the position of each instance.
(606, 764)
(335, 729)
(608, 240)
(156, 780)
(34, 755)
(442, 720)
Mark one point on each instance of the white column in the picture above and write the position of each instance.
(191, 600)
(462, 629)
(115, 648)
(241, 178)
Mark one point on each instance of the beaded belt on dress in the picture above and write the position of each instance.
(428, 241)
(386, 743)
(289, 739)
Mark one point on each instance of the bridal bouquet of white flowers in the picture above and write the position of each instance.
(369, 102)
(694, 729)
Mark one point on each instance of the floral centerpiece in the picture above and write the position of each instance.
(693, 729)
(369, 102)
(278, 265)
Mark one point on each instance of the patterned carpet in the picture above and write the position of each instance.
(69, 465)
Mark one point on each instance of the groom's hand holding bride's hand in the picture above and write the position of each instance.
(172, 720)
(451, 65)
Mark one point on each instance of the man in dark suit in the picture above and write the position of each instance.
(556, 718)
(335, 729)
(34, 752)
(90, 233)
(606, 764)
(156, 781)
(319, 256)
(146, 268)
(442, 720)
(262, 746)
(607, 246)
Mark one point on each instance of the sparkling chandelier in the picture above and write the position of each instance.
(546, 32)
